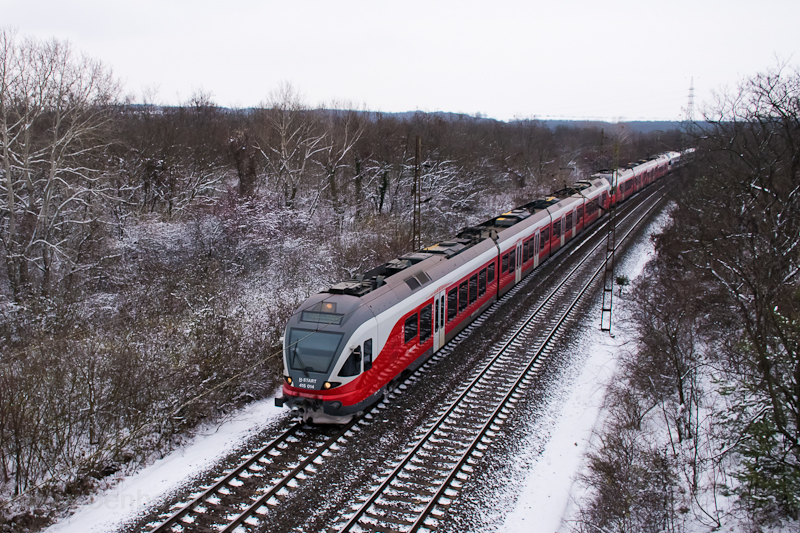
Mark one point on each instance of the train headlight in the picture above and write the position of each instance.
(330, 385)
(289, 380)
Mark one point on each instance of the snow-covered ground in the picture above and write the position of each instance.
(545, 496)
(545, 499)
(133, 495)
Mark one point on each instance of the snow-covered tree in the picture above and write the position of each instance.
(53, 106)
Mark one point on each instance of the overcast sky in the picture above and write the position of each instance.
(613, 60)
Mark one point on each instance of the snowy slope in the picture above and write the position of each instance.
(133, 495)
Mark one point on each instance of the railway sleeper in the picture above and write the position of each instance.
(202, 529)
(385, 517)
(395, 505)
(425, 488)
(378, 528)
(436, 453)
(399, 494)
(442, 466)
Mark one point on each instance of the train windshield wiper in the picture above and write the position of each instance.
(302, 364)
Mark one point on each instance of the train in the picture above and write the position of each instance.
(346, 346)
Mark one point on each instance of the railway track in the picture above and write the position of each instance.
(422, 483)
(261, 480)
(419, 485)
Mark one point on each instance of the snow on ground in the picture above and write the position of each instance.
(546, 492)
(133, 495)
(546, 496)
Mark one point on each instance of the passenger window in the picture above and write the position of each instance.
(512, 261)
(557, 229)
(367, 354)
(436, 315)
(425, 324)
(411, 327)
(352, 367)
(525, 251)
(452, 304)
(482, 283)
(462, 296)
(473, 289)
(505, 264)
(491, 273)
(545, 237)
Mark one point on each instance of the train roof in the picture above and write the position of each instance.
(412, 268)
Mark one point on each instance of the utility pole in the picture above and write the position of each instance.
(416, 238)
(611, 245)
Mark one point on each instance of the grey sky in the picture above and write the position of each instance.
(615, 59)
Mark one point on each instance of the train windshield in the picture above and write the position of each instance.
(312, 351)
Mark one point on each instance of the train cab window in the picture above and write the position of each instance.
(504, 266)
(410, 328)
(452, 304)
(512, 261)
(482, 283)
(367, 354)
(545, 237)
(473, 289)
(462, 296)
(352, 367)
(490, 273)
(313, 351)
(425, 323)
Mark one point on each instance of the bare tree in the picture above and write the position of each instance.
(288, 137)
(53, 105)
(747, 210)
(342, 129)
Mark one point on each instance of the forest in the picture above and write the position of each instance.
(703, 430)
(150, 256)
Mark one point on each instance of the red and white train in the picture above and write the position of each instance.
(346, 346)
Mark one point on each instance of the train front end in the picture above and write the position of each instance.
(327, 354)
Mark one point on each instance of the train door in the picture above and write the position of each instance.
(518, 272)
(555, 236)
(536, 250)
(438, 320)
(573, 224)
